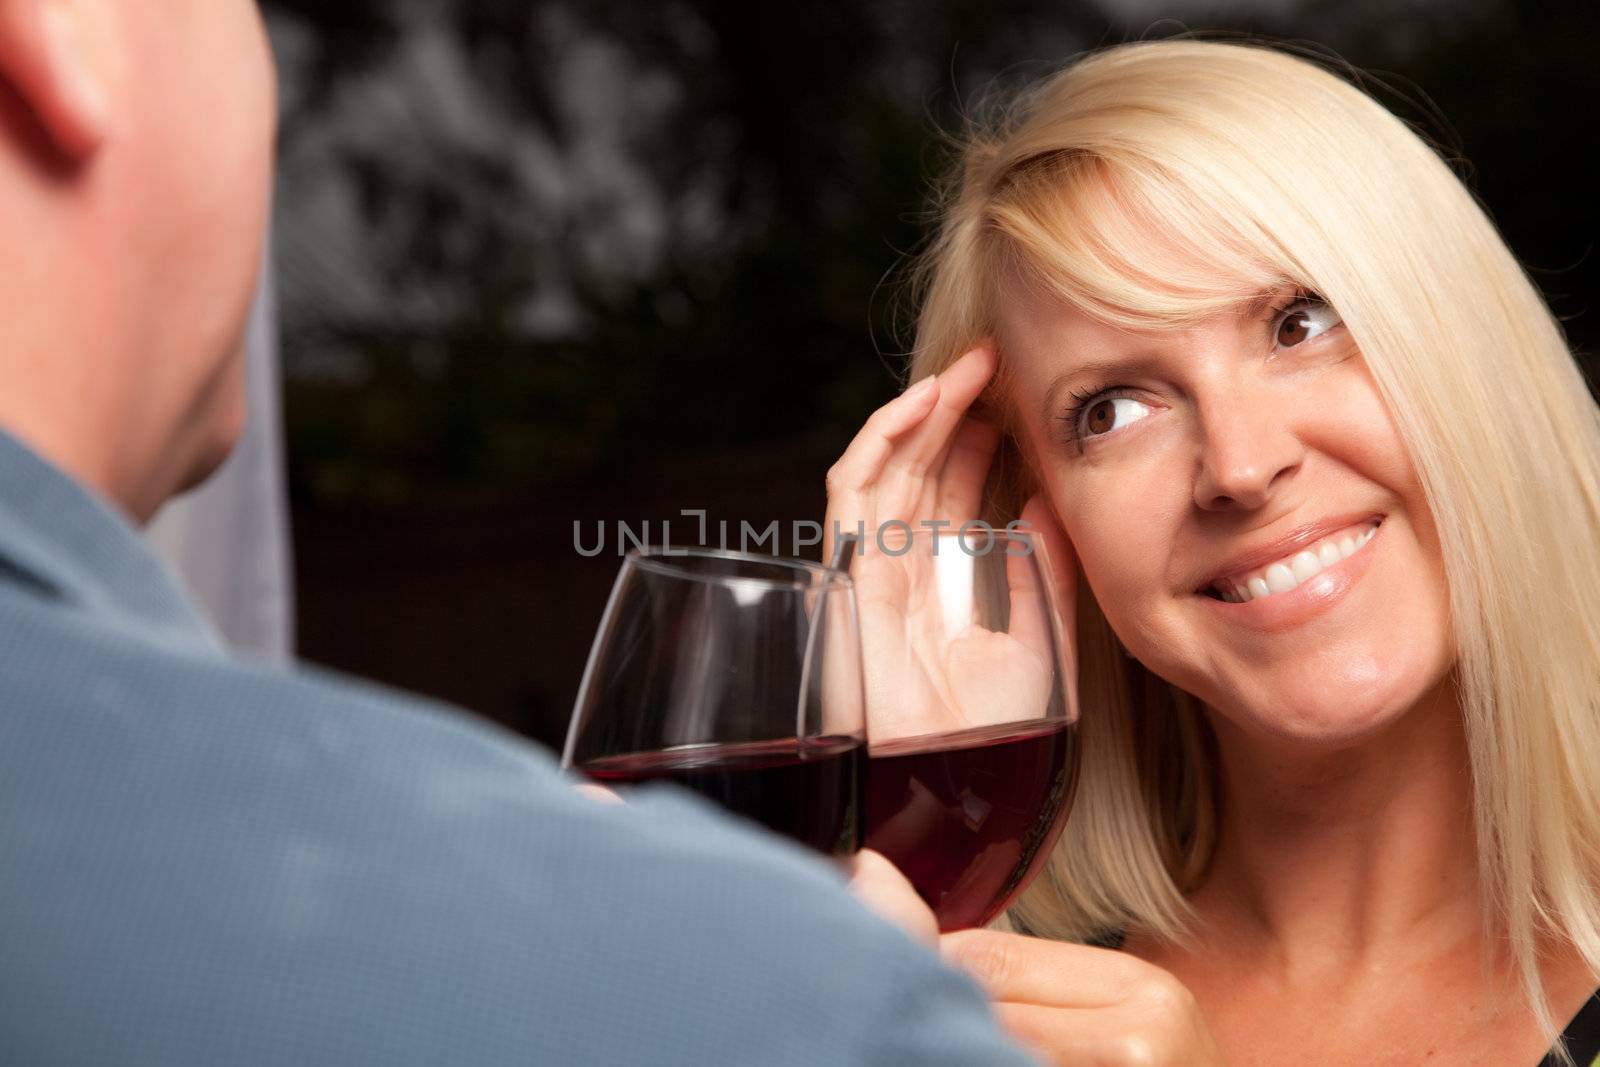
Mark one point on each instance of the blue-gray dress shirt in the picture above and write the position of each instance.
(205, 861)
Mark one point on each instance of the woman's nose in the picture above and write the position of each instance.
(1248, 449)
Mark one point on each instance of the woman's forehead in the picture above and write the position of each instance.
(1029, 316)
(1050, 343)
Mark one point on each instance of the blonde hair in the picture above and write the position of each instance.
(1158, 183)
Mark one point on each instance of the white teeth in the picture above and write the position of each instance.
(1281, 579)
(1286, 574)
(1304, 565)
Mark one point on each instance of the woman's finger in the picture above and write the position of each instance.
(1067, 1037)
(908, 436)
(1159, 1026)
(966, 469)
(879, 885)
(863, 459)
(1097, 1037)
(596, 791)
(1036, 970)
(959, 385)
(872, 445)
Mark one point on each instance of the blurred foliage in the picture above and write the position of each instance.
(788, 150)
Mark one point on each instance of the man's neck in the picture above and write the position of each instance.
(96, 459)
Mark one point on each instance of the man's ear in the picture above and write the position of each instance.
(51, 75)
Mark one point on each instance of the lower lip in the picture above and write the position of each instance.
(1319, 593)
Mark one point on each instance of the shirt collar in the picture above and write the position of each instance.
(66, 543)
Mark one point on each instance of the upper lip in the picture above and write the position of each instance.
(1279, 547)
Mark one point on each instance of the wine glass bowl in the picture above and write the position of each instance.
(737, 676)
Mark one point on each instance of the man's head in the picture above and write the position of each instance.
(135, 176)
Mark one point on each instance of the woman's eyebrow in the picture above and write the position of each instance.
(1103, 372)
(1257, 305)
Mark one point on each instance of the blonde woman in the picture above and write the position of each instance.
(1331, 485)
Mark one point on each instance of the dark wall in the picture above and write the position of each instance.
(600, 261)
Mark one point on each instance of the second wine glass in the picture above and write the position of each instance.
(973, 751)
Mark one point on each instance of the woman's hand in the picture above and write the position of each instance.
(597, 792)
(919, 459)
(879, 885)
(1083, 1006)
(1072, 1004)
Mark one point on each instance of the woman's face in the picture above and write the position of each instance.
(1226, 451)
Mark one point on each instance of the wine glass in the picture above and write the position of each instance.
(971, 726)
(737, 676)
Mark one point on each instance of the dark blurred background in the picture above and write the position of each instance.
(601, 260)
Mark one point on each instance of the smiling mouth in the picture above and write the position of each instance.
(1286, 574)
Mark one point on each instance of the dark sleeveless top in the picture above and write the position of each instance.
(1582, 1034)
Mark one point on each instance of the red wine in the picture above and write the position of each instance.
(969, 816)
(806, 788)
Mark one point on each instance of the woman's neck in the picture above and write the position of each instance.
(1343, 901)
(1331, 862)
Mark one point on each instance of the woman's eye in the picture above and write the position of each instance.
(1100, 416)
(1304, 320)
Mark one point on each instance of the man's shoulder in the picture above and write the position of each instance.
(66, 671)
(153, 724)
(295, 861)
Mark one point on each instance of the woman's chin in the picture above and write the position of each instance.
(1320, 729)
(1320, 713)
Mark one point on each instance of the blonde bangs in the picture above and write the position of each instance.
(1127, 243)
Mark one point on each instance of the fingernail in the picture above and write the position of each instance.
(921, 389)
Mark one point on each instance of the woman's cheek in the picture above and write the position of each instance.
(1099, 550)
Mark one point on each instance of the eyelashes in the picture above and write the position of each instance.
(1303, 299)
(1298, 307)
(1081, 401)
